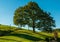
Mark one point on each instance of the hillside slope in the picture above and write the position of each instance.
(13, 34)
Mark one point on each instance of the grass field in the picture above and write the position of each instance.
(22, 35)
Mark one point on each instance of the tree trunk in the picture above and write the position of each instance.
(33, 29)
(33, 26)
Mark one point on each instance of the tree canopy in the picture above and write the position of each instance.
(33, 16)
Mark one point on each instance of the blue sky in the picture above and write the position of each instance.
(7, 8)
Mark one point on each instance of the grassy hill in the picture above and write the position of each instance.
(13, 34)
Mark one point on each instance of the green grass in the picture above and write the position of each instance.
(22, 35)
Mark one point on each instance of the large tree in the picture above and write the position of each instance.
(33, 16)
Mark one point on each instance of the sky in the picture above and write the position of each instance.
(8, 7)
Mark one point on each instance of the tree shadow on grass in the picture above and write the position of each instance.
(27, 37)
(49, 38)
